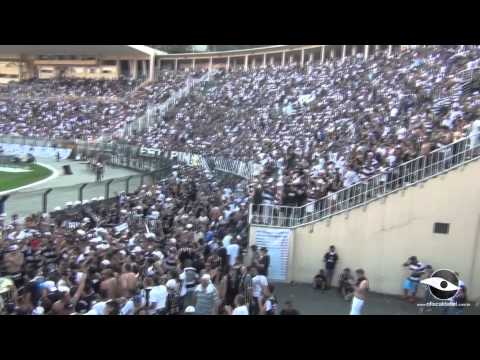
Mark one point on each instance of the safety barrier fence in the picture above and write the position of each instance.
(25, 203)
(142, 158)
(408, 174)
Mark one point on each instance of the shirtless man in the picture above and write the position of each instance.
(360, 293)
(14, 260)
(128, 280)
(109, 284)
(66, 304)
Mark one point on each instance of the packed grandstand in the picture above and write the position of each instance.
(181, 244)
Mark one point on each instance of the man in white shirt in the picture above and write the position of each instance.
(350, 177)
(157, 296)
(129, 307)
(98, 308)
(240, 306)
(259, 284)
(475, 136)
(232, 251)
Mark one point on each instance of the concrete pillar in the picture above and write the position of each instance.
(264, 60)
(310, 58)
(254, 63)
(193, 64)
(228, 63)
(283, 58)
(322, 59)
(144, 67)
(377, 48)
(176, 65)
(344, 52)
(302, 58)
(332, 53)
(119, 69)
(134, 68)
(290, 60)
(366, 52)
(389, 50)
(272, 60)
(210, 64)
(152, 68)
(354, 50)
(159, 64)
(245, 65)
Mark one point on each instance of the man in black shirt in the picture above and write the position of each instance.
(330, 260)
(263, 262)
(222, 253)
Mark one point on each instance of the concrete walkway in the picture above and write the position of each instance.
(313, 302)
(66, 187)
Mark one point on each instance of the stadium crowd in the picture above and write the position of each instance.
(175, 247)
(90, 88)
(324, 127)
(80, 109)
(181, 246)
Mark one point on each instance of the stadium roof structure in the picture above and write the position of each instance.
(103, 51)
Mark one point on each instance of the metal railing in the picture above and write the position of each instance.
(127, 155)
(245, 170)
(25, 203)
(140, 163)
(154, 113)
(408, 174)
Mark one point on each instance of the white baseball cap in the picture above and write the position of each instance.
(190, 309)
(171, 284)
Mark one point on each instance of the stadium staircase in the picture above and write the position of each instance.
(154, 113)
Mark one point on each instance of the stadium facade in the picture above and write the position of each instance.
(23, 62)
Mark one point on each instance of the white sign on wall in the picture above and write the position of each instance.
(277, 243)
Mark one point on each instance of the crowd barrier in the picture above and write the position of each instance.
(124, 154)
(25, 203)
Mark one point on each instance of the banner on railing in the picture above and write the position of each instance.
(151, 152)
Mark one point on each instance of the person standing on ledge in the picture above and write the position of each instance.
(330, 260)
(361, 287)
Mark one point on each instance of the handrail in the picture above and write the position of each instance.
(407, 174)
(155, 112)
